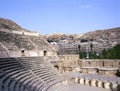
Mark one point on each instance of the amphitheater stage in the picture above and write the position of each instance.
(91, 82)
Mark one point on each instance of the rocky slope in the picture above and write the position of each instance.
(107, 34)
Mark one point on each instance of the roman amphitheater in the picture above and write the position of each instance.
(29, 63)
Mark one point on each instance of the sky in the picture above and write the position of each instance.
(62, 16)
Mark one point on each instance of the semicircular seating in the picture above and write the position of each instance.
(26, 74)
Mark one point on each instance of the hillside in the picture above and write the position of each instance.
(107, 34)
(58, 37)
(8, 24)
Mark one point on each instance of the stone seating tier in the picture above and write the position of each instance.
(38, 41)
(1, 47)
(15, 76)
(8, 24)
(15, 41)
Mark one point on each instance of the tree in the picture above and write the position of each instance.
(81, 55)
(91, 47)
(79, 50)
(113, 53)
(84, 40)
(79, 47)
(103, 54)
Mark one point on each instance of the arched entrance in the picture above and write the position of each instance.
(22, 52)
(56, 67)
(45, 53)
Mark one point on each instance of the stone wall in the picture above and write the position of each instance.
(69, 59)
(26, 53)
(109, 67)
(99, 62)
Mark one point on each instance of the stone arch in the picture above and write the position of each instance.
(56, 67)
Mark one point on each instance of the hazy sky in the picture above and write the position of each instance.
(62, 16)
